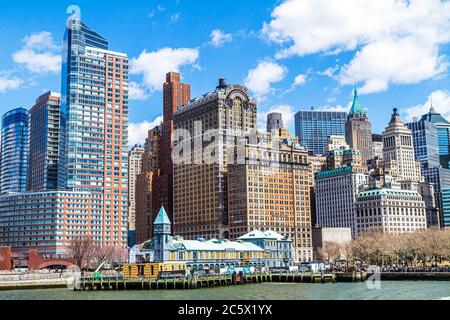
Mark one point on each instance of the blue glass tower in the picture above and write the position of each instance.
(443, 134)
(14, 151)
(314, 127)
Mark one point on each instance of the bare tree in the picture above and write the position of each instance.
(81, 251)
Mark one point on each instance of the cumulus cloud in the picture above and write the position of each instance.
(441, 103)
(219, 38)
(287, 112)
(395, 41)
(138, 132)
(39, 54)
(260, 79)
(154, 65)
(9, 82)
(300, 80)
(136, 92)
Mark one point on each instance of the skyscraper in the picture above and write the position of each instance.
(14, 151)
(314, 127)
(147, 205)
(443, 132)
(271, 190)
(44, 143)
(359, 129)
(134, 167)
(94, 118)
(175, 94)
(200, 185)
(398, 151)
(428, 147)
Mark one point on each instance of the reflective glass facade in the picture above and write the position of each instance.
(446, 207)
(313, 128)
(14, 151)
(425, 141)
(94, 118)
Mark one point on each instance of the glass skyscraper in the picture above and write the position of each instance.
(14, 151)
(443, 134)
(94, 118)
(430, 140)
(313, 128)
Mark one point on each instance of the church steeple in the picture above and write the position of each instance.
(357, 107)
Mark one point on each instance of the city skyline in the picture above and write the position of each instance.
(236, 47)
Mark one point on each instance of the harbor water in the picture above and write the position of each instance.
(389, 290)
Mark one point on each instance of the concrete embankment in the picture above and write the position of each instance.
(416, 276)
(33, 284)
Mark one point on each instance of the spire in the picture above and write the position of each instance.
(162, 217)
(357, 107)
(431, 106)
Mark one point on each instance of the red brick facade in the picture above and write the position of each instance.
(5, 258)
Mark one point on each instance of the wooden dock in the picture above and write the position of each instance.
(120, 283)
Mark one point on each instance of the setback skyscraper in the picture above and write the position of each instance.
(175, 94)
(359, 130)
(314, 127)
(134, 167)
(45, 134)
(14, 151)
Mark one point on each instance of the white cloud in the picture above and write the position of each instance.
(287, 112)
(8, 83)
(138, 132)
(136, 92)
(219, 38)
(337, 108)
(260, 79)
(396, 41)
(441, 103)
(39, 54)
(154, 65)
(300, 80)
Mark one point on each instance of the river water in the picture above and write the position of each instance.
(390, 290)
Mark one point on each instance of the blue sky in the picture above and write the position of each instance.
(292, 54)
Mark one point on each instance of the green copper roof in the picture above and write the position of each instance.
(357, 107)
(434, 117)
(162, 217)
(334, 172)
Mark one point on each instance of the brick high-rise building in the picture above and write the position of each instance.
(175, 94)
(271, 190)
(134, 168)
(200, 187)
(147, 205)
(358, 130)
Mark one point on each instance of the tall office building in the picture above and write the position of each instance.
(359, 129)
(271, 190)
(314, 127)
(443, 133)
(427, 151)
(44, 143)
(200, 185)
(14, 151)
(147, 205)
(398, 151)
(94, 118)
(336, 191)
(274, 121)
(134, 166)
(175, 94)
